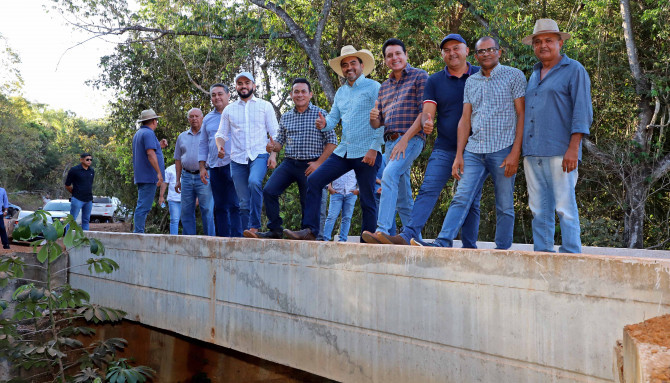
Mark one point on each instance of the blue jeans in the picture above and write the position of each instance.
(248, 179)
(175, 215)
(322, 214)
(288, 172)
(438, 172)
(333, 168)
(345, 204)
(477, 167)
(226, 205)
(396, 186)
(85, 208)
(145, 199)
(551, 191)
(394, 226)
(192, 188)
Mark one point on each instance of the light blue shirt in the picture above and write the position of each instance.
(3, 199)
(186, 149)
(556, 107)
(207, 150)
(493, 120)
(352, 106)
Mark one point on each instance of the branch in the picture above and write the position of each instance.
(484, 23)
(599, 155)
(662, 168)
(327, 5)
(188, 73)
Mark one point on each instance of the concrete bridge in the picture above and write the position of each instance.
(378, 313)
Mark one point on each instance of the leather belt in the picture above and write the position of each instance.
(192, 171)
(392, 136)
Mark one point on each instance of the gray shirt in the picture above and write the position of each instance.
(186, 150)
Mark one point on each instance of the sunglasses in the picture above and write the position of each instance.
(88, 159)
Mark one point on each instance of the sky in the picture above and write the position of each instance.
(41, 39)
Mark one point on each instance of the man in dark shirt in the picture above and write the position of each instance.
(79, 183)
(443, 96)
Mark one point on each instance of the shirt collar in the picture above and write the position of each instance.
(468, 72)
(357, 82)
(564, 61)
(405, 70)
(309, 107)
(253, 98)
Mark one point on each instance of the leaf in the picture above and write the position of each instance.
(50, 233)
(43, 253)
(94, 247)
(88, 315)
(68, 240)
(55, 252)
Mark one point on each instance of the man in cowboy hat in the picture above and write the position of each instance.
(247, 123)
(359, 147)
(398, 109)
(148, 165)
(558, 115)
(442, 98)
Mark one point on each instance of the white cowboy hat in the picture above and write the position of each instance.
(348, 50)
(545, 26)
(147, 114)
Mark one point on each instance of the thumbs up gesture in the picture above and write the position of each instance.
(428, 124)
(320, 122)
(270, 147)
(374, 112)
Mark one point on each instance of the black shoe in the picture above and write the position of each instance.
(5, 246)
(270, 234)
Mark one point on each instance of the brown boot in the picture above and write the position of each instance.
(302, 235)
(392, 239)
(370, 237)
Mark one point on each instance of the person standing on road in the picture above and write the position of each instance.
(559, 113)
(247, 123)
(3, 231)
(148, 166)
(79, 183)
(215, 166)
(173, 198)
(189, 183)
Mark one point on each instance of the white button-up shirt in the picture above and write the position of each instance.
(247, 125)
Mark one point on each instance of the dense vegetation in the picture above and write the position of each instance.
(176, 48)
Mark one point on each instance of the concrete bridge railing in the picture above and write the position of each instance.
(364, 313)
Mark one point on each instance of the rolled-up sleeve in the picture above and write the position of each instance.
(580, 89)
(224, 127)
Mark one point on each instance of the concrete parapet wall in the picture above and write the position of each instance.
(378, 313)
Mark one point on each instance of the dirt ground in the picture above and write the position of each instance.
(118, 227)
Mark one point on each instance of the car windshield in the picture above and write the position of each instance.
(57, 206)
(102, 200)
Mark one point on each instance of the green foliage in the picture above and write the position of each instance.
(46, 327)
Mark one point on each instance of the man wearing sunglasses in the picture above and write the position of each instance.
(79, 183)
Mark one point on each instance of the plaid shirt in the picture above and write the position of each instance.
(298, 131)
(401, 101)
(493, 121)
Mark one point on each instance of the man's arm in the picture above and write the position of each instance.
(69, 188)
(511, 162)
(222, 134)
(68, 182)
(571, 157)
(464, 127)
(327, 151)
(161, 196)
(153, 160)
(177, 181)
(427, 115)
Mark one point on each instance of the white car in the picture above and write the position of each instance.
(23, 214)
(59, 209)
(104, 209)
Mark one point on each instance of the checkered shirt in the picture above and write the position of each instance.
(299, 133)
(401, 101)
(493, 120)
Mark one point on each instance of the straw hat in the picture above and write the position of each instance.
(544, 26)
(348, 50)
(147, 114)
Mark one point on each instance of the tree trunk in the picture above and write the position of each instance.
(637, 191)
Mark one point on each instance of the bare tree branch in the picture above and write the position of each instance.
(484, 22)
(188, 73)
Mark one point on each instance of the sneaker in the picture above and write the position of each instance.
(419, 242)
(370, 237)
(392, 239)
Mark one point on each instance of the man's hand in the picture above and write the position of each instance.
(204, 176)
(160, 180)
(272, 162)
(370, 157)
(428, 125)
(320, 122)
(177, 186)
(312, 167)
(399, 149)
(271, 146)
(161, 200)
(457, 167)
(222, 152)
(379, 190)
(570, 160)
(355, 192)
(511, 164)
(374, 112)
(163, 143)
(331, 190)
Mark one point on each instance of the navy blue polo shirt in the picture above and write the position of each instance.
(82, 182)
(446, 91)
(144, 139)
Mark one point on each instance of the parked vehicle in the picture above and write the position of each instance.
(12, 210)
(105, 209)
(26, 214)
(59, 209)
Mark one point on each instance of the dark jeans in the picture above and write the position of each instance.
(3, 231)
(226, 205)
(333, 168)
(288, 172)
